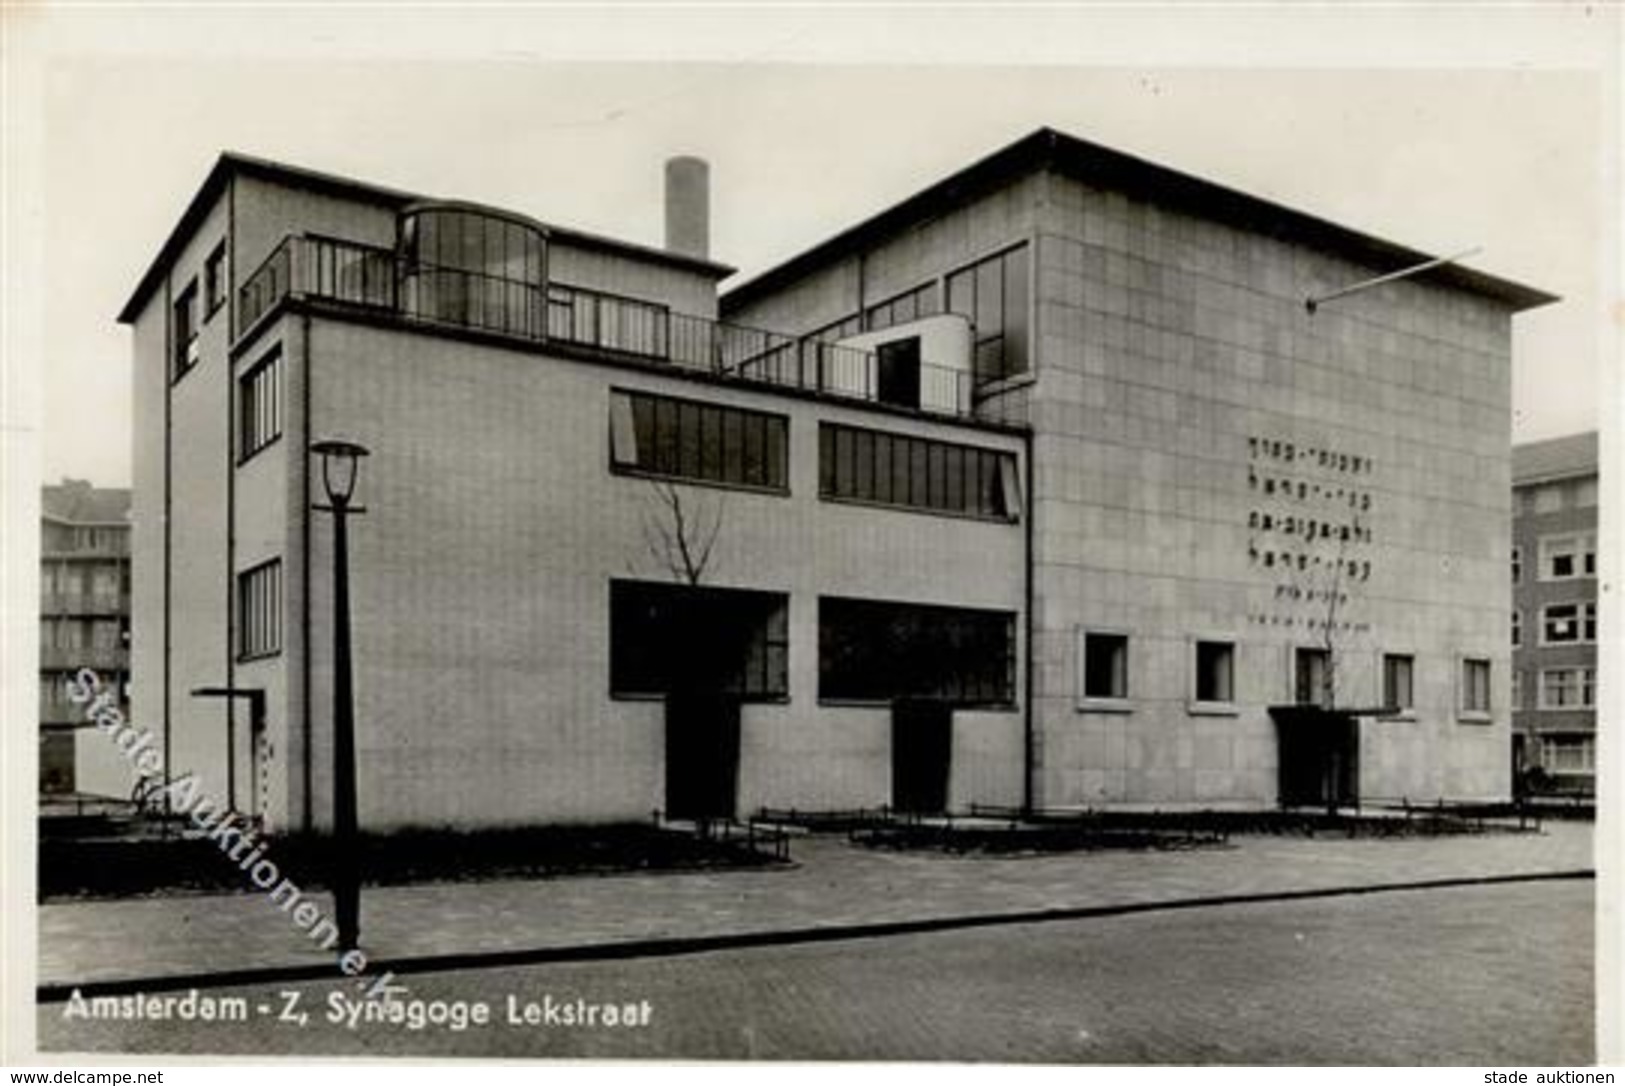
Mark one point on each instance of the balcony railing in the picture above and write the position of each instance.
(378, 280)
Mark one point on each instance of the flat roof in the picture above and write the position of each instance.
(1554, 458)
(75, 501)
(232, 163)
(1048, 149)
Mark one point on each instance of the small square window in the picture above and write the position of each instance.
(1105, 665)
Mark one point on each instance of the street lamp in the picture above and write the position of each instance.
(341, 464)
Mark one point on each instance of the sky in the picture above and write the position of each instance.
(809, 124)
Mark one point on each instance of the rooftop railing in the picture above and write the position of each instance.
(374, 279)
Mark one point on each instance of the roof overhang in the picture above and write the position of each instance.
(1047, 149)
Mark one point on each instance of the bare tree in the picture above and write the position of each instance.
(1326, 583)
(681, 534)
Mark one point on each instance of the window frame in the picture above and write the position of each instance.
(251, 648)
(1558, 545)
(185, 352)
(625, 449)
(216, 285)
(1197, 705)
(1403, 710)
(1296, 654)
(269, 367)
(981, 338)
(1102, 703)
(1468, 710)
(1007, 682)
(926, 463)
(1584, 688)
(1584, 622)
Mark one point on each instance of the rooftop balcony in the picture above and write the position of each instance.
(375, 280)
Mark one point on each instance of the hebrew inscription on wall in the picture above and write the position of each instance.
(1309, 531)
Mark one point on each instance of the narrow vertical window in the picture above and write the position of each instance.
(184, 328)
(1475, 686)
(214, 281)
(259, 611)
(259, 405)
(1215, 671)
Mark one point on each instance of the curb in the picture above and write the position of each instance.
(682, 945)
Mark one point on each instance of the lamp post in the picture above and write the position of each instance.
(341, 464)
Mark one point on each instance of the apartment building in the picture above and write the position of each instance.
(84, 622)
(1041, 487)
(1554, 611)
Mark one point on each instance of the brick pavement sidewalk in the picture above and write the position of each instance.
(833, 885)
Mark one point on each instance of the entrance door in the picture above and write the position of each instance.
(897, 379)
(702, 754)
(1319, 755)
(921, 744)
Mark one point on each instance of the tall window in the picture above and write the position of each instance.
(1517, 628)
(1568, 623)
(214, 280)
(259, 611)
(1475, 686)
(1215, 671)
(916, 473)
(1568, 688)
(1104, 670)
(993, 294)
(1517, 689)
(698, 442)
(871, 650)
(184, 328)
(1397, 682)
(1517, 565)
(259, 405)
(1564, 557)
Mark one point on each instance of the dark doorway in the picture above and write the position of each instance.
(921, 745)
(705, 651)
(898, 372)
(702, 754)
(1319, 757)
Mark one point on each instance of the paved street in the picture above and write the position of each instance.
(1471, 975)
(834, 884)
